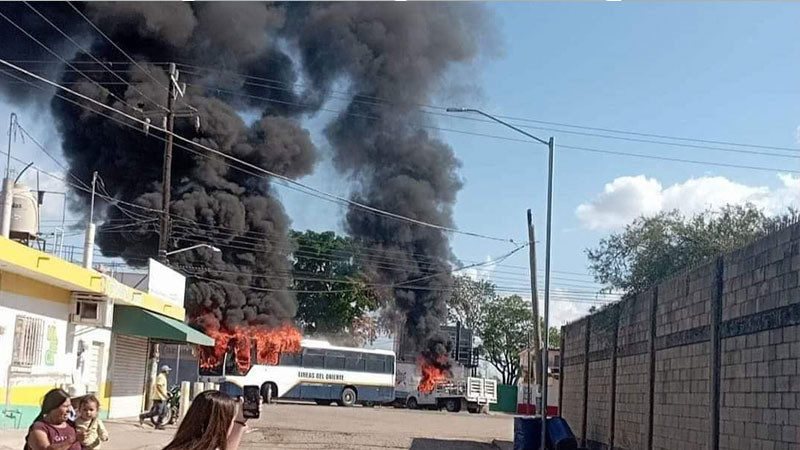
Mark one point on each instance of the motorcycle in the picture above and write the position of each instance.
(171, 412)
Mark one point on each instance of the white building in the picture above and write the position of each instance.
(65, 326)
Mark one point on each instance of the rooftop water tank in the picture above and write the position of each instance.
(24, 214)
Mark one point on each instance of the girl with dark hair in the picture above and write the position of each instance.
(213, 422)
(51, 430)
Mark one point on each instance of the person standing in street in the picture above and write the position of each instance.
(159, 399)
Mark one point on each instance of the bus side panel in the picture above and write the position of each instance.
(375, 394)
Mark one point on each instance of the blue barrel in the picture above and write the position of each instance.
(559, 435)
(527, 433)
(231, 389)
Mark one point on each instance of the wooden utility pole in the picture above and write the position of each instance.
(534, 302)
(166, 174)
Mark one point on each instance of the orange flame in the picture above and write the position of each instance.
(433, 373)
(270, 343)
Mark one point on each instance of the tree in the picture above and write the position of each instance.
(554, 335)
(508, 320)
(652, 248)
(468, 301)
(333, 295)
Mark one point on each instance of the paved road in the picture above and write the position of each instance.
(302, 426)
(299, 426)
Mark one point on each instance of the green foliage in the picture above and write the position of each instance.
(653, 248)
(334, 296)
(508, 320)
(554, 335)
(468, 302)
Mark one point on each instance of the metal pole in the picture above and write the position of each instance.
(537, 352)
(8, 185)
(166, 175)
(63, 225)
(547, 290)
(88, 244)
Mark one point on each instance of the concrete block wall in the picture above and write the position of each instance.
(603, 328)
(572, 400)
(680, 413)
(633, 368)
(710, 359)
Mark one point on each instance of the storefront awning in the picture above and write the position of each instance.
(141, 322)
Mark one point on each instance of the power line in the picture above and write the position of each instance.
(357, 98)
(383, 102)
(572, 147)
(90, 55)
(33, 38)
(146, 72)
(260, 169)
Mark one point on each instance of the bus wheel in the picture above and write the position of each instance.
(411, 403)
(452, 405)
(269, 392)
(348, 397)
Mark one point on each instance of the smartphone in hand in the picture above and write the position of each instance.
(252, 402)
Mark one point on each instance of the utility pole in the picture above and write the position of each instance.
(173, 91)
(166, 173)
(88, 245)
(537, 354)
(8, 184)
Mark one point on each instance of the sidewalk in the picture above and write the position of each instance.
(126, 434)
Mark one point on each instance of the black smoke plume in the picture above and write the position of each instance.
(392, 56)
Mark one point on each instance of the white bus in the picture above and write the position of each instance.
(319, 372)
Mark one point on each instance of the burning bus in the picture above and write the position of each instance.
(304, 369)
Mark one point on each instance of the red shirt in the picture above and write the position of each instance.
(58, 435)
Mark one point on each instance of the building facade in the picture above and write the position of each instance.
(62, 325)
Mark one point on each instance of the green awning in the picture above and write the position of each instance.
(141, 322)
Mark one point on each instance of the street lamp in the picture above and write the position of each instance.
(213, 249)
(545, 356)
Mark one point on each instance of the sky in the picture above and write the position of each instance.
(711, 71)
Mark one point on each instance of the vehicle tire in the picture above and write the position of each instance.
(452, 405)
(322, 402)
(166, 419)
(269, 392)
(348, 397)
(411, 403)
(175, 412)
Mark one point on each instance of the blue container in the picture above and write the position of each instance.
(527, 433)
(559, 435)
(231, 389)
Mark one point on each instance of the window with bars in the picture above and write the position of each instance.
(28, 341)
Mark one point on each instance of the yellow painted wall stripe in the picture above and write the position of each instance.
(17, 284)
(43, 268)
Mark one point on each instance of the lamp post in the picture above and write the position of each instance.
(545, 350)
(155, 354)
(213, 249)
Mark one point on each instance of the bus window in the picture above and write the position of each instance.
(314, 358)
(354, 361)
(290, 359)
(375, 364)
(334, 359)
(389, 364)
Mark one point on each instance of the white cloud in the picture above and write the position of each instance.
(626, 198)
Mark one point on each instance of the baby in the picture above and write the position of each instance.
(87, 422)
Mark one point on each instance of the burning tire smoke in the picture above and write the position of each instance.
(393, 57)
